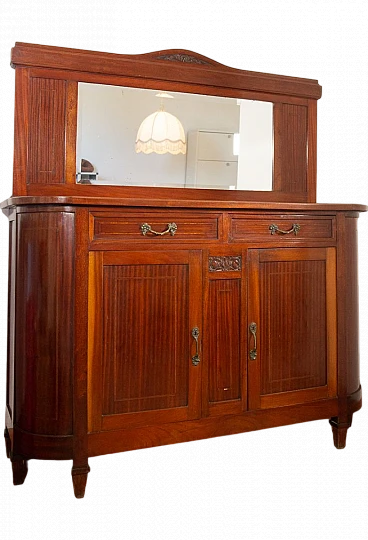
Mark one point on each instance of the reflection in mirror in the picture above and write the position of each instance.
(140, 137)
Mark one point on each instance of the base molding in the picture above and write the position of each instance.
(110, 442)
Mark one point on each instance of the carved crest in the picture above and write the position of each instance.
(186, 58)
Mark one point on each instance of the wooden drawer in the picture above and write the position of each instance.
(281, 226)
(144, 226)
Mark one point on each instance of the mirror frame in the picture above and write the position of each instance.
(46, 102)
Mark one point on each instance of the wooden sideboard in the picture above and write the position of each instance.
(146, 316)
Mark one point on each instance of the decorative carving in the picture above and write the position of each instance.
(186, 58)
(225, 264)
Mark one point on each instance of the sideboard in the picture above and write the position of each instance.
(142, 316)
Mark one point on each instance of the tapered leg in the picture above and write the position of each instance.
(19, 466)
(79, 477)
(20, 470)
(339, 431)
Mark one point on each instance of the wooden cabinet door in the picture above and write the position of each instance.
(142, 309)
(292, 343)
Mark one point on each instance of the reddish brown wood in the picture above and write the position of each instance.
(262, 207)
(339, 431)
(140, 340)
(192, 227)
(147, 193)
(79, 477)
(80, 390)
(10, 382)
(223, 342)
(46, 147)
(34, 446)
(168, 65)
(50, 119)
(21, 131)
(132, 439)
(290, 148)
(44, 322)
(312, 151)
(100, 341)
(145, 340)
(254, 228)
(292, 292)
(71, 131)
(347, 315)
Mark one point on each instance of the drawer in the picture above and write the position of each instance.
(147, 227)
(282, 226)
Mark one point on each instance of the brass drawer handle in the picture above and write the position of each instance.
(171, 228)
(275, 229)
(195, 335)
(253, 331)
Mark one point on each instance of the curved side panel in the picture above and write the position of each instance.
(29, 445)
(355, 401)
(352, 307)
(44, 323)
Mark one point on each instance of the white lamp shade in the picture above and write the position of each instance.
(161, 132)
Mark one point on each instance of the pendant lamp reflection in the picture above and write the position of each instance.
(161, 133)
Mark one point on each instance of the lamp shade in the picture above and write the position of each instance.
(162, 133)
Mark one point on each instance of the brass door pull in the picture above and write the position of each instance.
(275, 229)
(195, 335)
(253, 331)
(171, 228)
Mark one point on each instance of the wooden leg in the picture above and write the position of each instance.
(7, 446)
(19, 466)
(20, 470)
(79, 477)
(339, 430)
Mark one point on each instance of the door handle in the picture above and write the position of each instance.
(171, 228)
(195, 335)
(253, 331)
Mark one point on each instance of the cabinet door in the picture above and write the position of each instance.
(292, 340)
(142, 309)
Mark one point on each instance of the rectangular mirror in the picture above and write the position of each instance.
(139, 137)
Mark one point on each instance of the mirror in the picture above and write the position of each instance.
(211, 142)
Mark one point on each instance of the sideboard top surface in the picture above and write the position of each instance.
(163, 203)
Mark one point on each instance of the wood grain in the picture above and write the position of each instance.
(140, 338)
(150, 65)
(295, 311)
(132, 439)
(224, 318)
(44, 322)
(290, 148)
(192, 227)
(314, 228)
(46, 146)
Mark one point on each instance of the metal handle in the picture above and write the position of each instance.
(253, 330)
(275, 229)
(171, 228)
(195, 335)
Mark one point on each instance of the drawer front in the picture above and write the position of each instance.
(148, 227)
(278, 226)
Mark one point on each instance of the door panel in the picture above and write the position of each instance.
(140, 363)
(224, 339)
(293, 303)
(224, 371)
